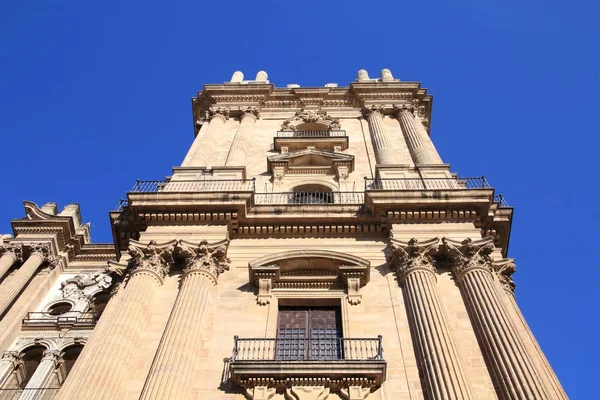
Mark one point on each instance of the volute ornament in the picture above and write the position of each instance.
(15, 248)
(504, 270)
(254, 111)
(468, 255)
(367, 111)
(223, 112)
(399, 110)
(151, 258)
(211, 259)
(408, 257)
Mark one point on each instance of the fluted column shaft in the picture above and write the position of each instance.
(10, 290)
(439, 359)
(204, 145)
(116, 346)
(242, 140)
(35, 387)
(11, 255)
(383, 151)
(420, 146)
(552, 384)
(173, 367)
(510, 364)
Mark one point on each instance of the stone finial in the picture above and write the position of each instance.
(50, 208)
(261, 76)
(237, 77)
(386, 75)
(363, 75)
(72, 210)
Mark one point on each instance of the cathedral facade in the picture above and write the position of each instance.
(312, 245)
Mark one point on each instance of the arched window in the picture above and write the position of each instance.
(70, 356)
(311, 194)
(32, 357)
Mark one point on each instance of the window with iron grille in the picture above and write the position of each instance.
(309, 333)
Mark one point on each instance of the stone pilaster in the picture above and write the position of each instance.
(43, 376)
(11, 254)
(173, 367)
(421, 148)
(204, 144)
(511, 367)
(383, 151)
(243, 137)
(504, 269)
(110, 351)
(9, 364)
(40, 253)
(437, 354)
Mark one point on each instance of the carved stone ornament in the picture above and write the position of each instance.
(468, 255)
(306, 392)
(14, 357)
(310, 116)
(206, 257)
(411, 256)
(85, 284)
(152, 258)
(504, 269)
(222, 112)
(16, 249)
(404, 109)
(250, 110)
(53, 355)
(367, 111)
(42, 249)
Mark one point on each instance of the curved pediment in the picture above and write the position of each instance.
(310, 120)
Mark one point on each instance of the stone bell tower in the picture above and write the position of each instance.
(312, 245)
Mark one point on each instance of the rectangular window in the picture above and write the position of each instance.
(309, 333)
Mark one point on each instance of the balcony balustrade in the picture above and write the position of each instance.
(44, 320)
(310, 198)
(310, 134)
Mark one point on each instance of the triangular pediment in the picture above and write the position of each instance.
(311, 161)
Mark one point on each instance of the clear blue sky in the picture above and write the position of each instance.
(96, 94)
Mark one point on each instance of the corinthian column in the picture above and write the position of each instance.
(204, 144)
(9, 364)
(10, 254)
(383, 151)
(243, 137)
(509, 363)
(42, 377)
(437, 354)
(110, 352)
(174, 366)
(40, 253)
(504, 269)
(421, 148)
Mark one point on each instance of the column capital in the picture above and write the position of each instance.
(412, 255)
(42, 249)
(204, 258)
(154, 258)
(404, 109)
(55, 356)
(375, 109)
(469, 255)
(14, 249)
(13, 357)
(504, 270)
(250, 111)
(221, 112)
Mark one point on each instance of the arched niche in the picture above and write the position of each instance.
(309, 270)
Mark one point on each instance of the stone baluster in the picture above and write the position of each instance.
(511, 367)
(174, 364)
(40, 253)
(107, 354)
(243, 137)
(504, 269)
(383, 151)
(437, 354)
(204, 144)
(420, 145)
(43, 377)
(9, 364)
(11, 254)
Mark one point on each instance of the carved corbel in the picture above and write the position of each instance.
(412, 256)
(504, 270)
(342, 171)
(355, 392)
(306, 392)
(265, 285)
(260, 393)
(468, 255)
(354, 296)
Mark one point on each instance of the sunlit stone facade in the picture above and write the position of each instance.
(312, 245)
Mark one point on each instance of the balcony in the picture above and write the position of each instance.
(288, 141)
(335, 359)
(300, 198)
(72, 320)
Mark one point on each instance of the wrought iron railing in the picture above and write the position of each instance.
(70, 318)
(426, 183)
(310, 198)
(307, 349)
(31, 393)
(121, 205)
(499, 198)
(310, 134)
(218, 185)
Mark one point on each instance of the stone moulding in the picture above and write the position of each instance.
(309, 270)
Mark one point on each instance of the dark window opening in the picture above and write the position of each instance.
(60, 308)
(32, 357)
(70, 356)
(100, 302)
